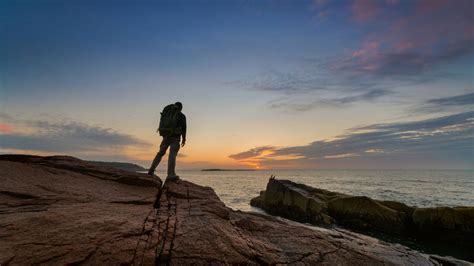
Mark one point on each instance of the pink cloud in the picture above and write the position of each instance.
(5, 128)
(434, 22)
(365, 10)
(404, 45)
(364, 58)
(367, 49)
(409, 39)
(430, 25)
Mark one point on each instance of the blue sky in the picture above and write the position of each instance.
(263, 83)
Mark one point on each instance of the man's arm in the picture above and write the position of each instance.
(183, 130)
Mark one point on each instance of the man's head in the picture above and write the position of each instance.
(179, 105)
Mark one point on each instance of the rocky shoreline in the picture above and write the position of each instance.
(61, 210)
(439, 225)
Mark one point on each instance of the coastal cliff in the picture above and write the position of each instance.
(61, 210)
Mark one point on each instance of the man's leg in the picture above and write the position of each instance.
(163, 147)
(174, 148)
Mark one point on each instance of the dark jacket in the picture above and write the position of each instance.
(182, 124)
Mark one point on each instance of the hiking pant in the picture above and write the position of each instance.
(173, 143)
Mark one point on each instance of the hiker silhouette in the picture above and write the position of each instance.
(172, 127)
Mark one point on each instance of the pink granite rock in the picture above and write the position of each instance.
(60, 210)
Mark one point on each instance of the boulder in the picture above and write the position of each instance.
(366, 213)
(398, 206)
(445, 218)
(294, 201)
(259, 201)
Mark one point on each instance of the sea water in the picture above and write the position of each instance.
(421, 188)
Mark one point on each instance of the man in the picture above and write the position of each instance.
(171, 138)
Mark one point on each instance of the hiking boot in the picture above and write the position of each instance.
(172, 178)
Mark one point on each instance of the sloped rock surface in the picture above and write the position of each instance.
(55, 216)
(87, 168)
(58, 210)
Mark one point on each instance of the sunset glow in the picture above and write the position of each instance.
(265, 84)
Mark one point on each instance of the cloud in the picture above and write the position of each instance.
(252, 153)
(365, 10)
(306, 104)
(465, 99)
(367, 49)
(65, 137)
(428, 125)
(6, 128)
(392, 2)
(366, 96)
(316, 86)
(413, 42)
(288, 84)
(443, 141)
(6, 117)
(319, 3)
(338, 156)
(395, 64)
(457, 102)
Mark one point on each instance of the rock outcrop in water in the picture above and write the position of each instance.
(321, 207)
(61, 210)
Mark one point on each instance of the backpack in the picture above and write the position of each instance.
(169, 121)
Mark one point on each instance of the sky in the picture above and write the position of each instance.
(323, 84)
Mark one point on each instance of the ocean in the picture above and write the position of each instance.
(421, 188)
